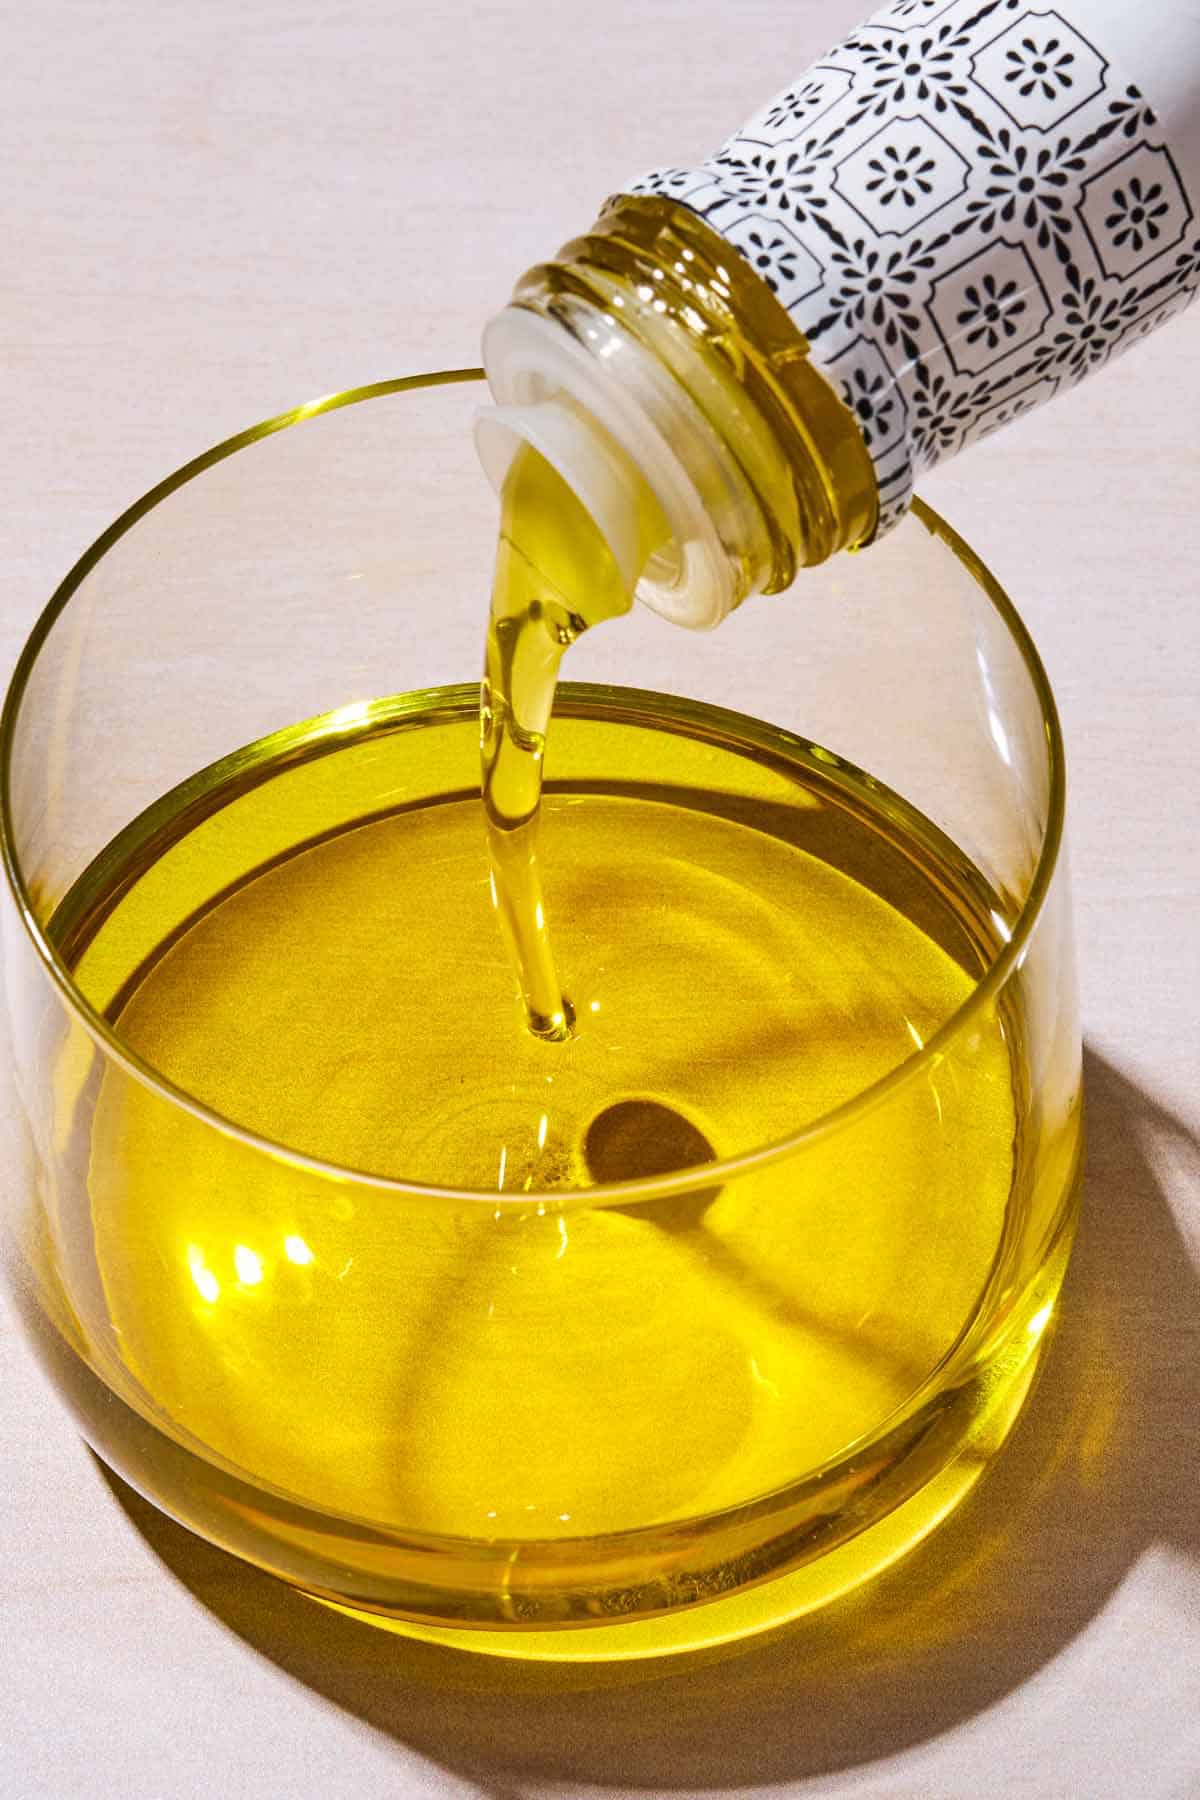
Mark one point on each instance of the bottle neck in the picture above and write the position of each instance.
(699, 381)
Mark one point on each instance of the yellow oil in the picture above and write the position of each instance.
(555, 577)
(751, 936)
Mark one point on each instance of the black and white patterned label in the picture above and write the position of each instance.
(966, 207)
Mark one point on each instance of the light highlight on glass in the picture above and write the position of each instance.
(249, 1265)
(206, 1283)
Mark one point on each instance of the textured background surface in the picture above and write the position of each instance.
(211, 214)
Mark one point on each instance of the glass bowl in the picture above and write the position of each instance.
(660, 1412)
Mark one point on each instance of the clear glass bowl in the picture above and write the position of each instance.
(182, 1275)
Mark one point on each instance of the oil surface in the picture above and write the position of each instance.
(755, 935)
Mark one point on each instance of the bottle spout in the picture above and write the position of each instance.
(595, 468)
(632, 445)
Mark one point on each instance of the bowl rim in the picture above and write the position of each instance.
(719, 1171)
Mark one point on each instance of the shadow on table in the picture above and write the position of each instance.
(1103, 1465)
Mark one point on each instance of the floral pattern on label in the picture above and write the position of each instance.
(965, 207)
(1134, 210)
(907, 171)
(1039, 71)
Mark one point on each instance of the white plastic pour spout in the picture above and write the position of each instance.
(619, 430)
(588, 461)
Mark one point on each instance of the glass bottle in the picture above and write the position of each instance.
(962, 210)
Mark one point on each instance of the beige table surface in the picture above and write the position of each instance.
(214, 211)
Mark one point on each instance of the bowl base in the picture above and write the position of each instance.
(772, 1604)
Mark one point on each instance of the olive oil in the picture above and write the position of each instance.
(752, 935)
(555, 577)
